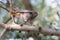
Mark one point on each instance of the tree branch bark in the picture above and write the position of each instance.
(45, 31)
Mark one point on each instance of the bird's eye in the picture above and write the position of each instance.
(22, 12)
(30, 12)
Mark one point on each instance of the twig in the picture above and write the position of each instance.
(7, 20)
(3, 6)
(3, 32)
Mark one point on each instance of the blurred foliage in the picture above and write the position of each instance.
(18, 3)
(46, 16)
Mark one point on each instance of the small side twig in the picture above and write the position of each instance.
(3, 32)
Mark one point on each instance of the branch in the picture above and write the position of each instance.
(5, 29)
(46, 31)
(4, 6)
(2, 2)
(7, 20)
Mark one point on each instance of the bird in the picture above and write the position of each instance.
(25, 15)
